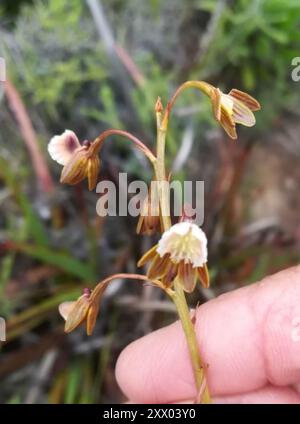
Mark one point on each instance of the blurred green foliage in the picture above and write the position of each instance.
(253, 45)
(53, 59)
(64, 73)
(12, 8)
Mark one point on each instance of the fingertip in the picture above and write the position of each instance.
(132, 370)
(125, 372)
(147, 371)
(248, 338)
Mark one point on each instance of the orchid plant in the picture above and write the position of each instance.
(179, 259)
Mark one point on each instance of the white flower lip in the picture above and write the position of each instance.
(239, 111)
(65, 308)
(227, 102)
(61, 147)
(186, 242)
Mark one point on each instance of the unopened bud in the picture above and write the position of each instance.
(158, 105)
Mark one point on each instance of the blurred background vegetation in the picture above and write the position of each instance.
(90, 65)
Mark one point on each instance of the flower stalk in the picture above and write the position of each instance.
(203, 86)
(86, 307)
(160, 174)
(177, 295)
(179, 299)
(97, 144)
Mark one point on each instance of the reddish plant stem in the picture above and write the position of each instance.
(29, 135)
(97, 144)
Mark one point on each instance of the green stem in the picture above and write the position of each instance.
(189, 331)
(203, 86)
(178, 295)
(160, 173)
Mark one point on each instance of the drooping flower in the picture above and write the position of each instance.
(79, 160)
(84, 309)
(233, 108)
(180, 253)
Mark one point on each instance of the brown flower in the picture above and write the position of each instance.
(79, 161)
(233, 108)
(150, 217)
(84, 309)
(180, 253)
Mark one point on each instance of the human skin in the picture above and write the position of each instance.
(249, 338)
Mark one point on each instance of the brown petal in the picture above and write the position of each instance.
(147, 256)
(242, 114)
(98, 291)
(95, 299)
(170, 274)
(140, 228)
(92, 317)
(76, 169)
(245, 98)
(93, 171)
(148, 225)
(77, 314)
(203, 275)
(215, 96)
(188, 276)
(158, 267)
(149, 221)
(227, 123)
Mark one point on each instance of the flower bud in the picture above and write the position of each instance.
(150, 218)
(158, 105)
